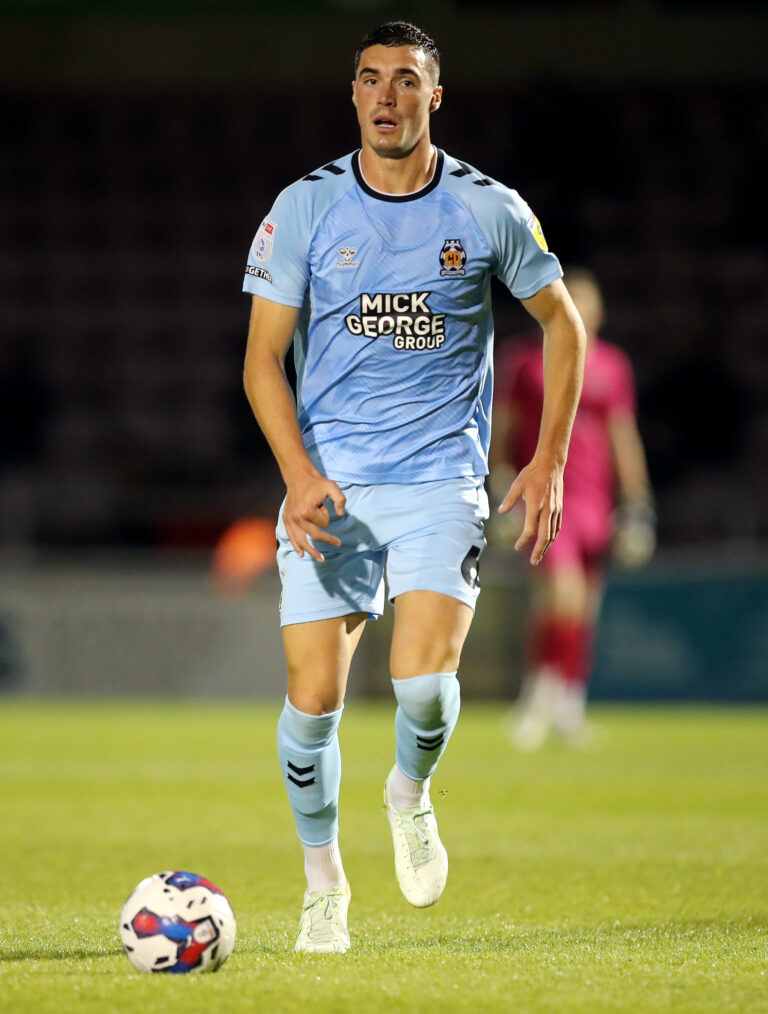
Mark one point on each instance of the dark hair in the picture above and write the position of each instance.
(399, 33)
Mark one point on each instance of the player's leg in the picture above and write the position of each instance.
(432, 570)
(592, 533)
(555, 639)
(559, 610)
(429, 633)
(323, 610)
(570, 715)
(318, 655)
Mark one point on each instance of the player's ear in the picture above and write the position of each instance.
(354, 94)
(436, 100)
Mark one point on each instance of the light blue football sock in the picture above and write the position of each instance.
(310, 759)
(428, 708)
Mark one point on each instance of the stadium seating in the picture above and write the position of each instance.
(124, 231)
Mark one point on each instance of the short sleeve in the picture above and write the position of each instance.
(523, 261)
(277, 266)
(622, 398)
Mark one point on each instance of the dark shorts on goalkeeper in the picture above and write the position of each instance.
(424, 536)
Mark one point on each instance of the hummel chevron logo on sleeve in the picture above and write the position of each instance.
(467, 170)
(464, 171)
(330, 168)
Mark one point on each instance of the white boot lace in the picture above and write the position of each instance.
(417, 838)
(321, 914)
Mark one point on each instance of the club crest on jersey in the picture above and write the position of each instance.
(263, 241)
(453, 257)
(347, 252)
(534, 226)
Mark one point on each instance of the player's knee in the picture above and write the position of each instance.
(311, 701)
(430, 700)
(439, 654)
(561, 591)
(433, 661)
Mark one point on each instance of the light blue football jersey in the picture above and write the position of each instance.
(394, 345)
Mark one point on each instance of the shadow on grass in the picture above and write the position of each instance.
(43, 953)
(517, 940)
(509, 940)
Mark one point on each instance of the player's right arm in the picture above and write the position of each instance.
(305, 514)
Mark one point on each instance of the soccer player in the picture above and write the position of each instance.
(377, 266)
(606, 454)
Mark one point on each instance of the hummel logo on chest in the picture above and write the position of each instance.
(347, 252)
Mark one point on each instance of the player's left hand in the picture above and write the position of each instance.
(540, 487)
(634, 535)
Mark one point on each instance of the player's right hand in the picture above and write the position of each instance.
(306, 515)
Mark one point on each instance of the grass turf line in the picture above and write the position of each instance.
(635, 879)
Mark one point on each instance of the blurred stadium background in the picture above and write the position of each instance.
(140, 146)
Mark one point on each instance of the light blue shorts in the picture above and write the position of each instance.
(427, 536)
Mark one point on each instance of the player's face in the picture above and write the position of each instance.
(394, 93)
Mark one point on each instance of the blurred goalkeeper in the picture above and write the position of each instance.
(609, 506)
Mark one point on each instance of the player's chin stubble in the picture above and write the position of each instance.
(381, 146)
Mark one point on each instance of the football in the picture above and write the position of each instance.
(177, 922)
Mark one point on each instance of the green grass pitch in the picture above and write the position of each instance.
(634, 879)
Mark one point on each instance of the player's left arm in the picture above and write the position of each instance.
(540, 483)
(634, 539)
(629, 459)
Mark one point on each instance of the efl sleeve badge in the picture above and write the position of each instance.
(536, 231)
(263, 241)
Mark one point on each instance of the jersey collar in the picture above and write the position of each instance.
(398, 197)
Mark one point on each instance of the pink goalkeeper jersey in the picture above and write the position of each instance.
(609, 390)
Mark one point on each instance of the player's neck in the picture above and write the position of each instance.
(399, 175)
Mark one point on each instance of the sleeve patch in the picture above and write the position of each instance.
(258, 273)
(534, 225)
(263, 242)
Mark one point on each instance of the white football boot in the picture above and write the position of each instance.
(323, 926)
(421, 862)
